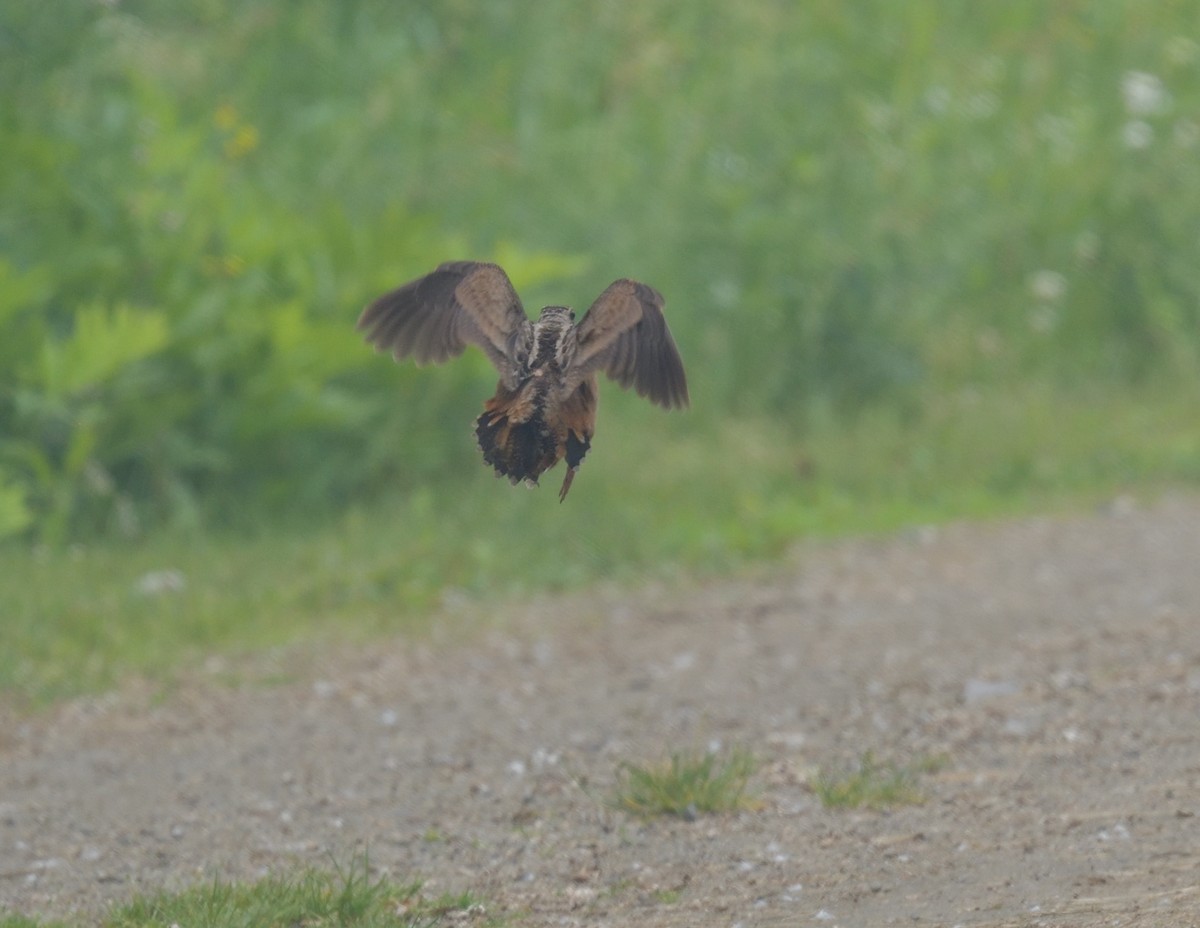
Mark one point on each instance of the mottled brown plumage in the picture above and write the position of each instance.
(545, 403)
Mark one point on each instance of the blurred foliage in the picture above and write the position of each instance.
(850, 206)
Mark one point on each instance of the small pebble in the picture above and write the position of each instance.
(977, 691)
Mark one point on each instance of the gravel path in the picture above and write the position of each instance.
(1055, 660)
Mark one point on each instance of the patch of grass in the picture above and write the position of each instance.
(687, 785)
(876, 785)
(346, 898)
(659, 497)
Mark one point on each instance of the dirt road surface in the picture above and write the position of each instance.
(1055, 661)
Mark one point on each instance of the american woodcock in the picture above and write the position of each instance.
(545, 403)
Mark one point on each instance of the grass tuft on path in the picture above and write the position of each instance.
(687, 785)
(347, 897)
(874, 784)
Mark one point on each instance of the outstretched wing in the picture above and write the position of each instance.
(625, 335)
(433, 318)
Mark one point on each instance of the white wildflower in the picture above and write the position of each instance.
(157, 582)
(1048, 286)
(1137, 134)
(1144, 93)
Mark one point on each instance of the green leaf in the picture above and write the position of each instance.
(104, 340)
(311, 349)
(15, 516)
(19, 289)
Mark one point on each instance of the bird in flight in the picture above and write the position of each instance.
(545, 403)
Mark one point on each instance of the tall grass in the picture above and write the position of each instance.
(653, 501)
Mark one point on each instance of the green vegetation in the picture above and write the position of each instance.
(921, 263)
(849, 205)
(77, 620)
(348, 898)
(687, 785)
(875, 785)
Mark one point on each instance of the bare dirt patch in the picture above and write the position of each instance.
(1056, 661)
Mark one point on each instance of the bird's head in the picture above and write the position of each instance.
(556, 316)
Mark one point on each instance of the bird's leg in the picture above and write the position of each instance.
(575, 448)
(562, 494)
